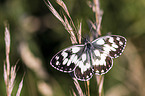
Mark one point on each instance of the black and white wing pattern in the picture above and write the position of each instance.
(66, 60)
(91, 58)
(112, 45)
(107, 48)
(84, 70)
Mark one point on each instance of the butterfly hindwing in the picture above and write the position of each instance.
(102, 64)
(83, 75)
(84, 70)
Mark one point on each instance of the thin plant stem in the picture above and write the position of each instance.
(10, 72)
(88, 88)
(100, 81)
(97, 15)
(78, 87)
(7, 44)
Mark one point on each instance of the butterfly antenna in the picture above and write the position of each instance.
(93, 30)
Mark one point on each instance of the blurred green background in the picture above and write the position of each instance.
(36, 35)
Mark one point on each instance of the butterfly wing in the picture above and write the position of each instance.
(75, 58)
(65, 60)
(112, 45)
(101, 62)
(106, 48)
(84, 70)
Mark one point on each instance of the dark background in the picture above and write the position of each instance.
(36, 35)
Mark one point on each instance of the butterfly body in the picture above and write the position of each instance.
(94, 57)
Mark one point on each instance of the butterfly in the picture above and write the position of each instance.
(91, 58)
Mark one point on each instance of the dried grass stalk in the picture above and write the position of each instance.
(79, 33)
(98, 15)
(62, 4)
(74, 94)
(7, 44)
(20, 88)
(70, 31)
(100, 81)
(64, 21)
(88, 88)
(80, 92)
(9, 74)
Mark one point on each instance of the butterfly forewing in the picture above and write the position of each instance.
(112, 45)
(65, 60)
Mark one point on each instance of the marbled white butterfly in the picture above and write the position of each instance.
(94, 57)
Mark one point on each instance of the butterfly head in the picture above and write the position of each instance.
(88, 44)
